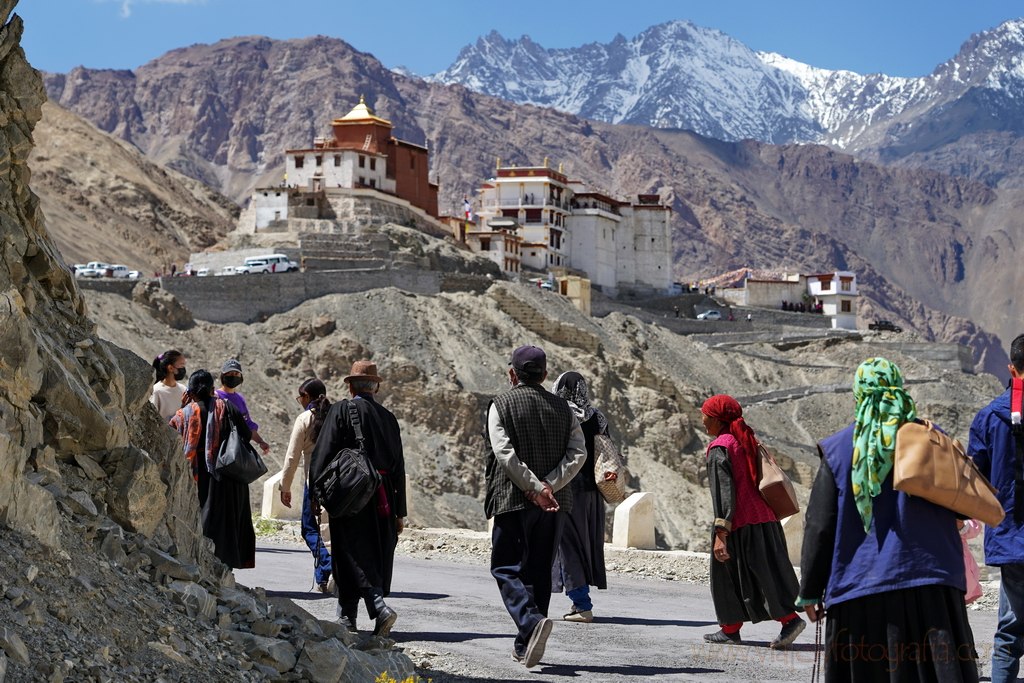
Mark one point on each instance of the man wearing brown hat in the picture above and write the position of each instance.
(363, 545)
(536, 448)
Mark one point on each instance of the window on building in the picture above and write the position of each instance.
(826, 285)
(362, 161)
(373, 182)
(846, 306)
(337, 160)
(362, 180)
(266, 194)
(485, 245)
(310, 202)
(277, 215)
(534, 215)
(298, 162)
(319, 160)
(277, 194)
(845, 285)
(373, 164)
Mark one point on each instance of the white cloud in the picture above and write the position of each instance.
(126, 5)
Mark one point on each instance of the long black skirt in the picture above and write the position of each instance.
(757, 583)
(914, 634)
(580, 558)
(227, 520)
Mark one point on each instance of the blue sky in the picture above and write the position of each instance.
(896, 37)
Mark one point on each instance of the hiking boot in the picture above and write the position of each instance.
(723, 637)
(538, 639)
(788, 634)
(516, 657)
(386, 618)
(579, 616)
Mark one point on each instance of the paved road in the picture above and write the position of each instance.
(452, 614)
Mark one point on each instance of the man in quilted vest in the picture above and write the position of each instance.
(536, 447)
(993, 446)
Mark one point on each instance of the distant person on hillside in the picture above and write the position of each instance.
(313, 399)
(536, 448)
(751, 576)
(204, 423)
(997, 445)
(230, 379)
(363, 545)
(168, 390)
(579, 562)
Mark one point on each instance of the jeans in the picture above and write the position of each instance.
(311, 533)
(1009, 639)
(581, 598)
(523, 546)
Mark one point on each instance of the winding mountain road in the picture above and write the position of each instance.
(451, 616)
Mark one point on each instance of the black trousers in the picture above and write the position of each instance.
(523, 546)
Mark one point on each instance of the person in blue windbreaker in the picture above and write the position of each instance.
(994, 449)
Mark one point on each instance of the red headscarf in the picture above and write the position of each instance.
(727, 409)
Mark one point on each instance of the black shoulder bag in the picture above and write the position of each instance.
(237, 460)
(349, 480)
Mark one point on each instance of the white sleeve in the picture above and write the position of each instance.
(516, 469)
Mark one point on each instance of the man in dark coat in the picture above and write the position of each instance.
(536, 447)
(363, 545)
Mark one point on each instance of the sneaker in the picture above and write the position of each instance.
(538, 639)
(324, 587)
(579, 616)
(722, 637)
(386, 618)
(788, 634)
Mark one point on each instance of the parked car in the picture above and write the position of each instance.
(270, 263)
(228, 270)
(202, 272)
(134, 274)
(119, 270)
(884, 326)
(713, 314)
(92, 269)
(252, 265)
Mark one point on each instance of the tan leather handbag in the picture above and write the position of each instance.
(776, 488)
(933, 466)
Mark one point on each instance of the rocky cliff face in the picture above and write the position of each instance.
(737, 204)
(104, 573)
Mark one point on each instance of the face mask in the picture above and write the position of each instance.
(231, 382)
(179, 374)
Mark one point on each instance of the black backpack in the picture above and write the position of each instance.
(348, 482)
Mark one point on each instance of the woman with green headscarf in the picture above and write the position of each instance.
(887, 566)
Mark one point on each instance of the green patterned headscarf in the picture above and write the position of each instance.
(882, 406)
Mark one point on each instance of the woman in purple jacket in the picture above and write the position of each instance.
(230, 380)
(886, 565)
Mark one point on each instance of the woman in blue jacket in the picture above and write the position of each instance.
(887, 566)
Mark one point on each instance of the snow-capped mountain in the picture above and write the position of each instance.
(679, 75)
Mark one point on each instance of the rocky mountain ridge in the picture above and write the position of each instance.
(680, 75)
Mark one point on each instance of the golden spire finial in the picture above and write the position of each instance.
(545, 162)
(560, 167)
(497, 163)
(362, 99)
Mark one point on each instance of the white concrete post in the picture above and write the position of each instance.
(634, 522)
(271, 507)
